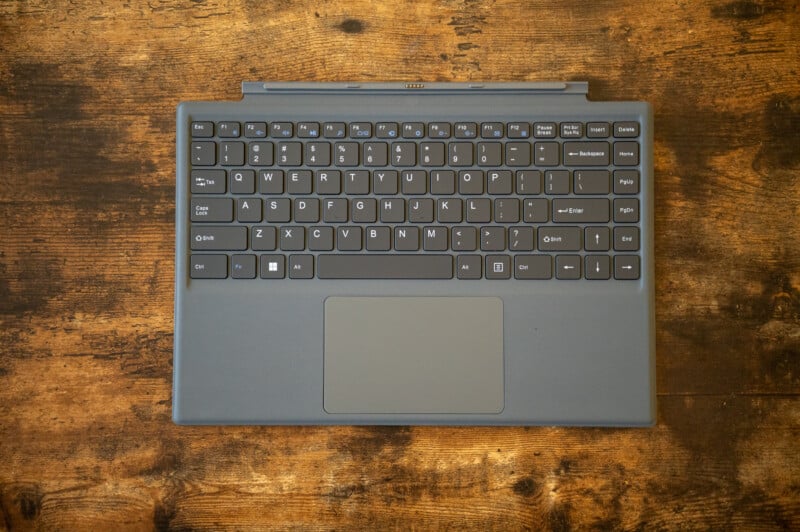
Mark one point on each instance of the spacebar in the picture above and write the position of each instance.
(385, 267)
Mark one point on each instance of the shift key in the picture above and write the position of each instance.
(586, 153)
(218, 238)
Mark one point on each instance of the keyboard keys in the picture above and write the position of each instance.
(439, 130)
(498, 267)
(544, 130)
(243, 266)
(386, 130)
(228, 129)
(218, 238)
(546, 153)
(334, 130)
(360, 130)
(410, 266)
(598, 130)
(203, 153)
(281, 129)
(466, 130)
(626, 153)
(580, 210)
(364, 206)
(208, 182)
(532, 267)
(626, 129)
(597, 267)
(491, 130)
(202, 129)
(211, 209)
(571, 130)
(272, 266)
(308, 130)
(208, 266)
(559, 239)
(413, 130)
(586, 153)
(626, 267)
(255, 130)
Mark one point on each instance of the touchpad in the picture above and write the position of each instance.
(415, 355)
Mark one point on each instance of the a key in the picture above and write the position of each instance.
(248, 210)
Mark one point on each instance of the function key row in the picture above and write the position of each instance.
(416, 130)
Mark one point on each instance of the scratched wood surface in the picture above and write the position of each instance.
(87, 98)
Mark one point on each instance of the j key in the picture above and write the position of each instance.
(580, 210)
(211, 209)
(586, 153)
(218, 237)
(414, 266)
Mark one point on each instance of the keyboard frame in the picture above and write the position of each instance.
(576, 352)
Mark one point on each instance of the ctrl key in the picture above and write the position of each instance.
(208, 267)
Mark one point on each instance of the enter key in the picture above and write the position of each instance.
(581, 210)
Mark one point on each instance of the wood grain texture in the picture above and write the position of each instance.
(87, 99)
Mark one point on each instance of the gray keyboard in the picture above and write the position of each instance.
(444, 197)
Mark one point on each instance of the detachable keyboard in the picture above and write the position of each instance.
(406, 253)
(447, 195)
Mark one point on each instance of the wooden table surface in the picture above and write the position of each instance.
(87, 129)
